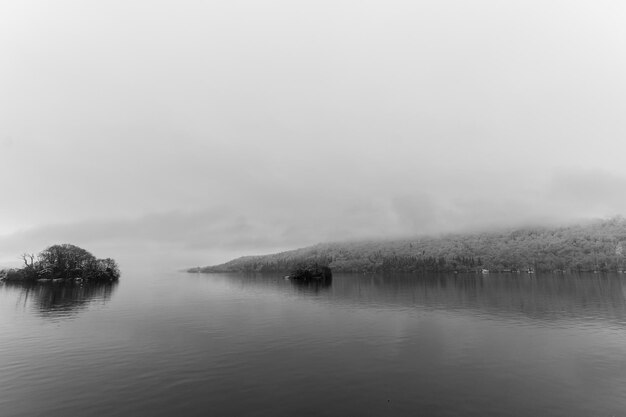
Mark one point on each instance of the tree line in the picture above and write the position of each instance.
(595, 246)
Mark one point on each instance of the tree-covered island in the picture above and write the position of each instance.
(596, 246)
(63, 263)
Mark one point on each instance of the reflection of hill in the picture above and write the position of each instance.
(66, 299)
(539, 297)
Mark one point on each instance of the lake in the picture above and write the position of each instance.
(178, 344)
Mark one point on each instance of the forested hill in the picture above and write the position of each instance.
(596, 246)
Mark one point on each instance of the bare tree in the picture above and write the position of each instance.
(29, 259)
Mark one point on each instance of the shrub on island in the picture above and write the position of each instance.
(63, 262)
(311, 271)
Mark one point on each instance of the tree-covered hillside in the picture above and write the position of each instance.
(596, 246)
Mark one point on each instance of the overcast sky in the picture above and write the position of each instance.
(221, 128)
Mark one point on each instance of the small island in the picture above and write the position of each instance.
(63, 263)
(311, 272)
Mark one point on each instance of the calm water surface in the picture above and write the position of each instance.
(176, 344)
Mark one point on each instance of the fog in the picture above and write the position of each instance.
(200, 130)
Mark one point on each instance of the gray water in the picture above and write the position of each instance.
(176, 344)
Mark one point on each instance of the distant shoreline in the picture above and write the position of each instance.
(596, 247)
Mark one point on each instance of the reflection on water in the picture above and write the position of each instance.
(541, 297)
(537, 297)
(312, 286)
(395, 345)
(56, 300)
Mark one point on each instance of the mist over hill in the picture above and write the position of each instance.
(593, 246)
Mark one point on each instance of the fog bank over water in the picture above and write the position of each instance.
(199, 131)
(181, 238)
(178, 240)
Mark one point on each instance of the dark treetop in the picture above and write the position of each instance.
(311, 272)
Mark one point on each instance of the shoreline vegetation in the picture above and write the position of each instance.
(310, 272)
(594, 247)
(63, 263)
